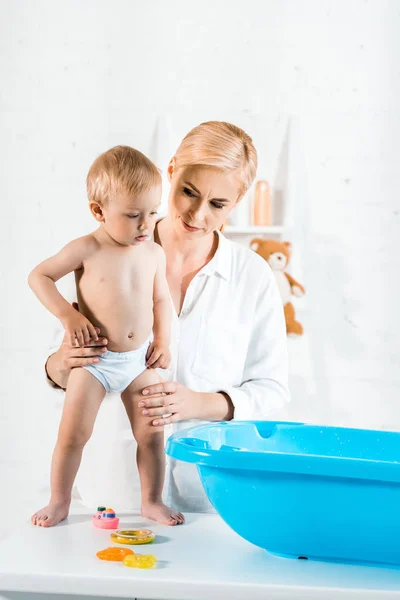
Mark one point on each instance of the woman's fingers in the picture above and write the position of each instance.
(70, 340)
(88, 351)
(99, 343)
(84, 356)
(81, 362)
(160, 410)
(167, 420)
(168, 387)
(156, 401)
(78, 357)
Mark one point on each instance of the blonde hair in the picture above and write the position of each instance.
(220, 145)
(121, 169)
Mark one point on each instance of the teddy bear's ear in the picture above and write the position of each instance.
(288, 245)
(255, 244)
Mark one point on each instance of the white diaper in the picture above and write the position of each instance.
(116, 370)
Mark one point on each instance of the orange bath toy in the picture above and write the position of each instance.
(115, 554)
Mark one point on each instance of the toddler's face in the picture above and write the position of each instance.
(201, 199)
(131, 220)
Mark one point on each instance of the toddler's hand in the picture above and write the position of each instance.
(79, 329)
(158, 355)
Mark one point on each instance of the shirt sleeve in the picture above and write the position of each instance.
(264, 390)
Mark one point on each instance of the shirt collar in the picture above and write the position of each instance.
(222, 259)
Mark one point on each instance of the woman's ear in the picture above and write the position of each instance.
(171, 168)
(97, 211)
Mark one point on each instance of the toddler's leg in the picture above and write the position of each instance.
(150, 453)
(82, 401)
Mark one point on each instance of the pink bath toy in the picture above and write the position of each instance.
(105, 518)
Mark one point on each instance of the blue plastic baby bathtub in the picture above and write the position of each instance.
(300, 490)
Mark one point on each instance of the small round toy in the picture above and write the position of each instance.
(133, 536)
(105, 518)
(115, 554)
(140, 561)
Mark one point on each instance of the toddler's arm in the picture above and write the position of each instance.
(162, 316)
(42, 282)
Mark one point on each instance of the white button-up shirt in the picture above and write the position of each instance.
(229, 337)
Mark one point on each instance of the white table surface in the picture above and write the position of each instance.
(202, 559)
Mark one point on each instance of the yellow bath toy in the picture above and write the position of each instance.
(140, 561)
(132, 536)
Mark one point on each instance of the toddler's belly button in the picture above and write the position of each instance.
(130, 335)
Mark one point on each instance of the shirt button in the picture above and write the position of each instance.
(184, 312)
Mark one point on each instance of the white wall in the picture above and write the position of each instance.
(80, 76)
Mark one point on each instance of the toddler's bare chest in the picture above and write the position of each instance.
(105, 273)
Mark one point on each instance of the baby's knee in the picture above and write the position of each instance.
(73, 439)
(147, 434)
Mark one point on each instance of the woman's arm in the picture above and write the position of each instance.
(214, 407)
(264, 388)
(171, 397)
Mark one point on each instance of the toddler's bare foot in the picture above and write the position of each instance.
(51, 515)
(162, 514)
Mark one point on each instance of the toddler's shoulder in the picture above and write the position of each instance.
(156, 251)
(85, 245)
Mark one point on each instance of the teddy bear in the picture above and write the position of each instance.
(277, 255)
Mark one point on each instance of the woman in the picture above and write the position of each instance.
(228, 330)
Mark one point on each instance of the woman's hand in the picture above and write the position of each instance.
(69, 356)
(170, 398)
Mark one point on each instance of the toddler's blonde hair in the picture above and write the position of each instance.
(220, 145)
(121, 169)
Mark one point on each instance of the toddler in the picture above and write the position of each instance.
(122, 292)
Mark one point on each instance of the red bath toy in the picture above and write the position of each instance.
(105, 518)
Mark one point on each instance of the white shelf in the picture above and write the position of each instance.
(253, 229)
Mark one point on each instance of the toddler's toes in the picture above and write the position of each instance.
(178, 516)
(162, 514)
(50, 515)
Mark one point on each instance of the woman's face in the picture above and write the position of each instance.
(200, 199)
